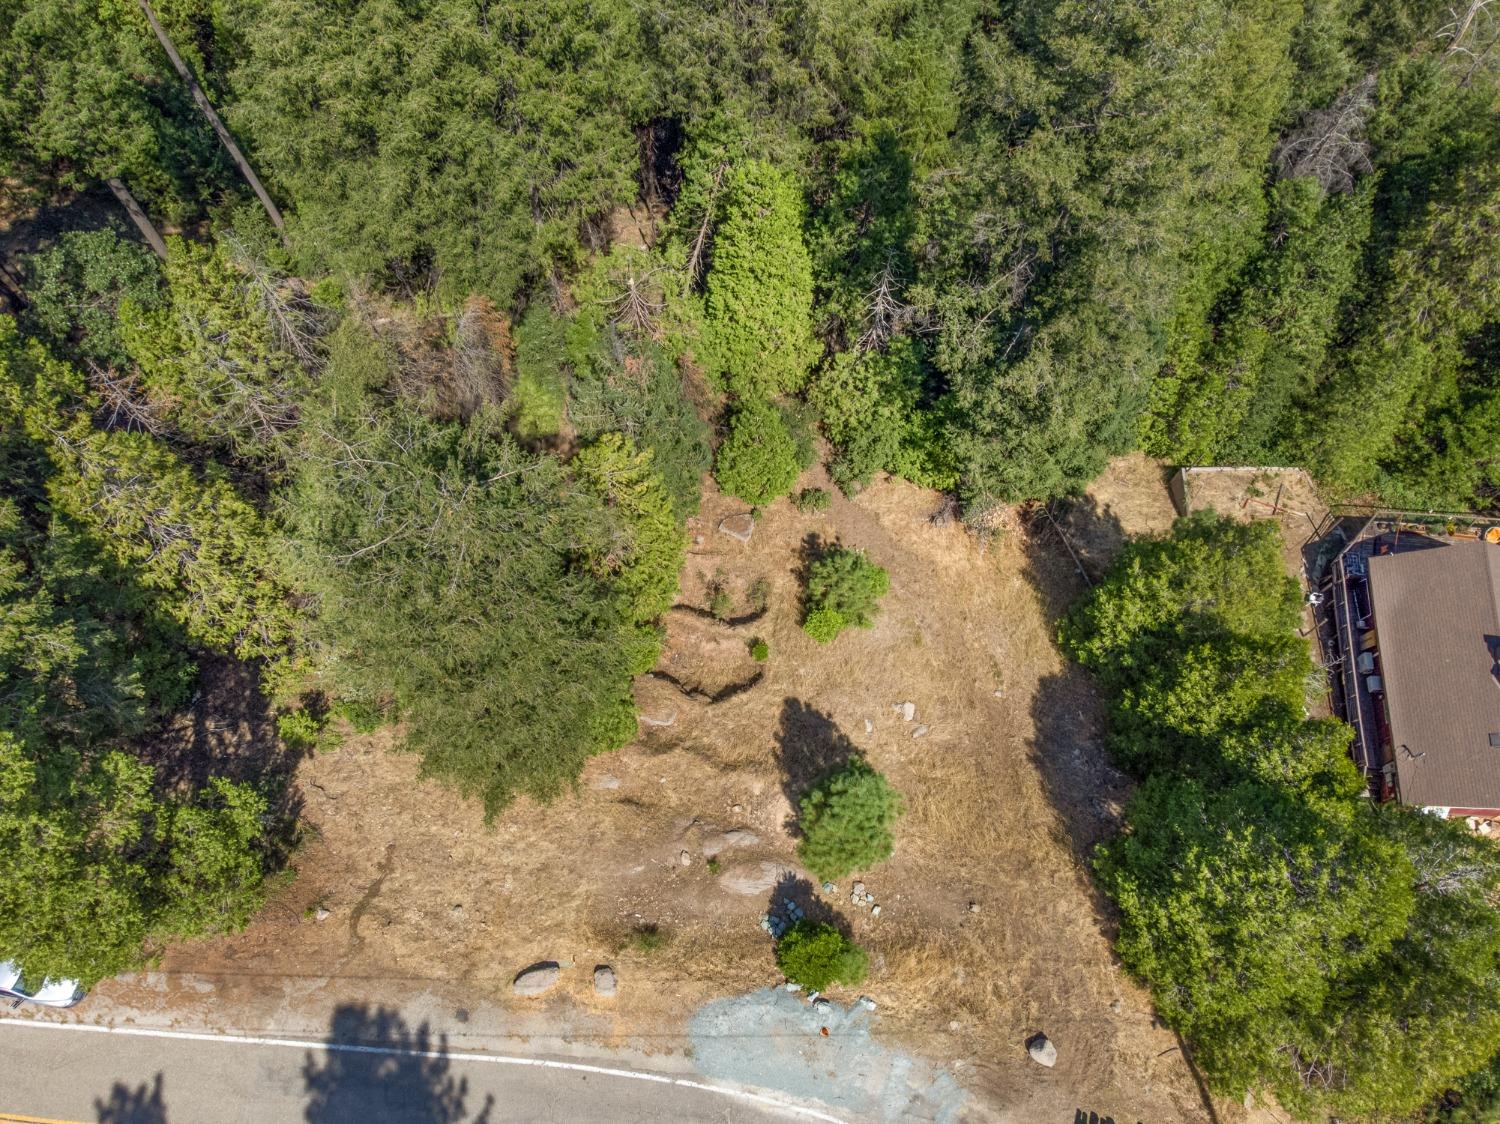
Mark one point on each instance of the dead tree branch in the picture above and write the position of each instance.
(1330, 144)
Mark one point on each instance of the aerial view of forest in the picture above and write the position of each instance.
(383, 368)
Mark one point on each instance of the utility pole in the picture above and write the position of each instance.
(142, 223)
(213, 119)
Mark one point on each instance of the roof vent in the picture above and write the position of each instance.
(1494, 740)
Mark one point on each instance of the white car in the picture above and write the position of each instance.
(15, 987)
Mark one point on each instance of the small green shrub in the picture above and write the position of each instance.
(647, 938)
(843, 588)
(759, 460)
(758, 595)
(365, 717)
(815, 954)
(760, 651)
(811, 500)
(714, 866)
(328, 291)
(847, 821)
(299, 729)
(721, 604)
(823, 625)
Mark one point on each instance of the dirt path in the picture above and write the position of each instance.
(1007, 790)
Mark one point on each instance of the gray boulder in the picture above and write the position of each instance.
(738, 527)
(751, 878)
(1040, 1047)
(605, 982)
(537, 979)
(739, 837)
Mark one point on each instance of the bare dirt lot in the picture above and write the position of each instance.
(1286, 495)
(665, 859)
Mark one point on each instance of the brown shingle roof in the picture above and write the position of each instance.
(1437, 617)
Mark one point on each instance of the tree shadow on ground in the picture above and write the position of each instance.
(814, 547)
(809, 746)
(1069, 720)
(142, 1105)
(1079, 540)
(376, 1070)
(1068, 743)
(728, 622)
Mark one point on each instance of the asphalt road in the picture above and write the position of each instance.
(71, 1074)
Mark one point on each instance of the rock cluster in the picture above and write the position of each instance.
(543, 976)
(777, 922)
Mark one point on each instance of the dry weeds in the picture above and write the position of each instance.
(1006, 794)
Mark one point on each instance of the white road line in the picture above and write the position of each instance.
(489, 1059)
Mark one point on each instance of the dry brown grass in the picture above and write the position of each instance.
(1005, 795)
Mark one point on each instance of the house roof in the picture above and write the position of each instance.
(1437, 618)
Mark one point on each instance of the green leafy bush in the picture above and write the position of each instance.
(1210, 575)
(847, 821)
(299, 729)
(759, 459)
(759, 323)
(843, 589)
(869, 404)
(364, 716)
(760, 651)
(540, 393)
(823, 624)
(811, 500)
(815, 955)
(1275, 913)
(76, 288)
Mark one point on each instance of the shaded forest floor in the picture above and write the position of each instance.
(1007, 791)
